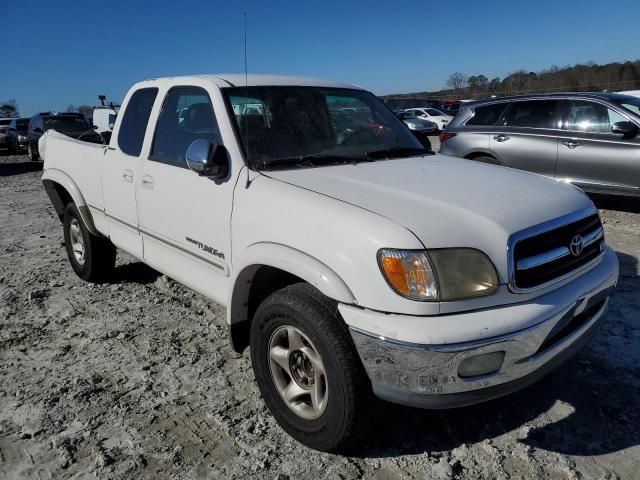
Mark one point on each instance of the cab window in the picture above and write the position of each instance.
(187, 115)
(135, 121)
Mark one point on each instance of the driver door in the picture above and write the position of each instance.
(185, 218)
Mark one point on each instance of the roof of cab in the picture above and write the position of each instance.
(256, 79)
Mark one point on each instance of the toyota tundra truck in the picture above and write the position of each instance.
(351, 261)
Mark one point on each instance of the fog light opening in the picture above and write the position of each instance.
(478, 365)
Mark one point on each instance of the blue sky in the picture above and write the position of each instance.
(65, 52)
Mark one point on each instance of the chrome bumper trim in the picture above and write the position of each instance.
(427, 375)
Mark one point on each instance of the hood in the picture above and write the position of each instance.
(445, 201)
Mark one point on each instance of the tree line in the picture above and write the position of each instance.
(587, 77)
(10, 109)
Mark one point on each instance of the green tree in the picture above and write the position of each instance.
(9, 109)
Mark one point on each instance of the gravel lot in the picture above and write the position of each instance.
(135, 379)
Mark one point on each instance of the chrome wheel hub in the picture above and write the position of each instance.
(298, 372)
(77, 241)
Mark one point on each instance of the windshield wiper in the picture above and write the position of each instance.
(397, 152)
(306, 161)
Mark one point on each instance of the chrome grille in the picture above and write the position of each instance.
(545, 255)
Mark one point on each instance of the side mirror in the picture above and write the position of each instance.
(626, 129)
(207, 159)
(37, 130)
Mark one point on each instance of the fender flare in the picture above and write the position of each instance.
(53, 177)
(285, 258)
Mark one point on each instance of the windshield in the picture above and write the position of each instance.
(631, 104)
(67, 124)
(281, 124)
(434, 113)
(22, 125)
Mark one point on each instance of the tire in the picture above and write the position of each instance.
(92, 258)
(301, 314)
(33, 156)
(486, 159)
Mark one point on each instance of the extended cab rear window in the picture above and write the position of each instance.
(135, 120)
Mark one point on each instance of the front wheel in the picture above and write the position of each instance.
(92, 258)
(307, 368)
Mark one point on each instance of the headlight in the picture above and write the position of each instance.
(412, 126)
(463, 273)
(445, 274)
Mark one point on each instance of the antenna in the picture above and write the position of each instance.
(246, 100)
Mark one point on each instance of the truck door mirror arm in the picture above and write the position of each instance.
(207, 159)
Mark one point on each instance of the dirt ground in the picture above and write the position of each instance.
(135, 379)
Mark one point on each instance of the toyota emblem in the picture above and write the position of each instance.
(576, 245)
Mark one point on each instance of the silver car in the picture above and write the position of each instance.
(588, 139)
(4, 126)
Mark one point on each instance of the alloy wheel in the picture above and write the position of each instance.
(298, 372)
(77, 241)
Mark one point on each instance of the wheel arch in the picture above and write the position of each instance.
(267, 267)
(476, 154)
(61, 189)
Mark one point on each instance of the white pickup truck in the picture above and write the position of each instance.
(350, 260)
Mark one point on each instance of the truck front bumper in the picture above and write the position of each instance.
(458, 374)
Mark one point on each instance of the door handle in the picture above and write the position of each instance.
(147, 181)
(127, 175)
(571, 144)
(501, 138)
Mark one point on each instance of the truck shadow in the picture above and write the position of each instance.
(622, 204)
(589, 406)
(18, 168)
(135, 272)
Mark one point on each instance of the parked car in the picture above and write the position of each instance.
(352, 265)
(451, 109)
(17, 135)
(4, 125)
(588, 139)
(73, 125)
(420, 127)
(433, 115)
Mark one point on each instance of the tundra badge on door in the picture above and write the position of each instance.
(206, 248)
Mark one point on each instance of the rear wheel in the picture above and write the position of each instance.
(307, 368)
(92, 258)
